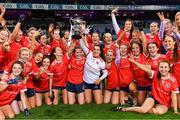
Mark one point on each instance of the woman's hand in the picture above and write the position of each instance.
(115, 10)
(161, 16)
(97, 82)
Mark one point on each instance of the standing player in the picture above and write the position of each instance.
(111, 94)
(173, 55)
(43, 82)
(93, 66)
(75, 84)
(126, 33)
(143, 83)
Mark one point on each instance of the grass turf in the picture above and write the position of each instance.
(89, 111)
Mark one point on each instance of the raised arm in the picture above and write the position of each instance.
(117, 60)
(143, 67)
(161, 29)
(83, 46)
(114, 21)
(17, 27)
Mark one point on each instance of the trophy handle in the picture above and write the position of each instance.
(71, 21)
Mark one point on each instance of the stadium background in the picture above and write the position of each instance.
(40, 13)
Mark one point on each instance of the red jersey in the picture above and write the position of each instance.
(3, 59)
(112, 47)
(45, 50)
(60, 71)
(75, 75)
(28, 70)
(125, 72)
(154, 62)
(27, 43)
(139, 75)
(175, 66)
(126, 36)
(10, 93)
(14, 48)
(161, 89)
(155, 38)
(112, 78)
(43, 83)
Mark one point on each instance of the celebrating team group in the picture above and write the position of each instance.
(138, 69)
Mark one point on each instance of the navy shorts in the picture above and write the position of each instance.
(18, 97)
(30, 92)
(146, 88)
(44, 91)
(92, 86)
(150, 96)
(124, 89)
(113, 90)
(75, 88)
(58, 87)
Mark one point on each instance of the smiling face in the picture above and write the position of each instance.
(154, 28)
(96, 51)
(38, 57)
(152, 49)
(177, 19)
(78, 53)
(4, 35)
(167, 25)
(43, 39)
(128, 25)
(136, 49)
(109, 56)
(17, 69)
(95, 38)
(46, 63)
(25, 55)
(123, 50)
(56, 35)
(108, 38)
(169, 43)
(58, 52)
(164, 69)
(19, 36)
(31, 33)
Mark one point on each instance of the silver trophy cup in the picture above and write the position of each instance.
(77, 26)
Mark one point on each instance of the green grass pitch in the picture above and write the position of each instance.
(88, 111)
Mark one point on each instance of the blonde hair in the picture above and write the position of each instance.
(24, 49)
(178, 13)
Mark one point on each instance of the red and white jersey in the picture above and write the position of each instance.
(154, 38)
(162, 88)
(60, 71)
(139, 75)
(154, 62)
(111, 46)
(27, 70)
(126, 36)
(125, 72)
(27, 43)
(75, 74)
(112, 78)
(175, 66)
(45, 50)
(10, 93)
(43, 83)
(92, 68)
